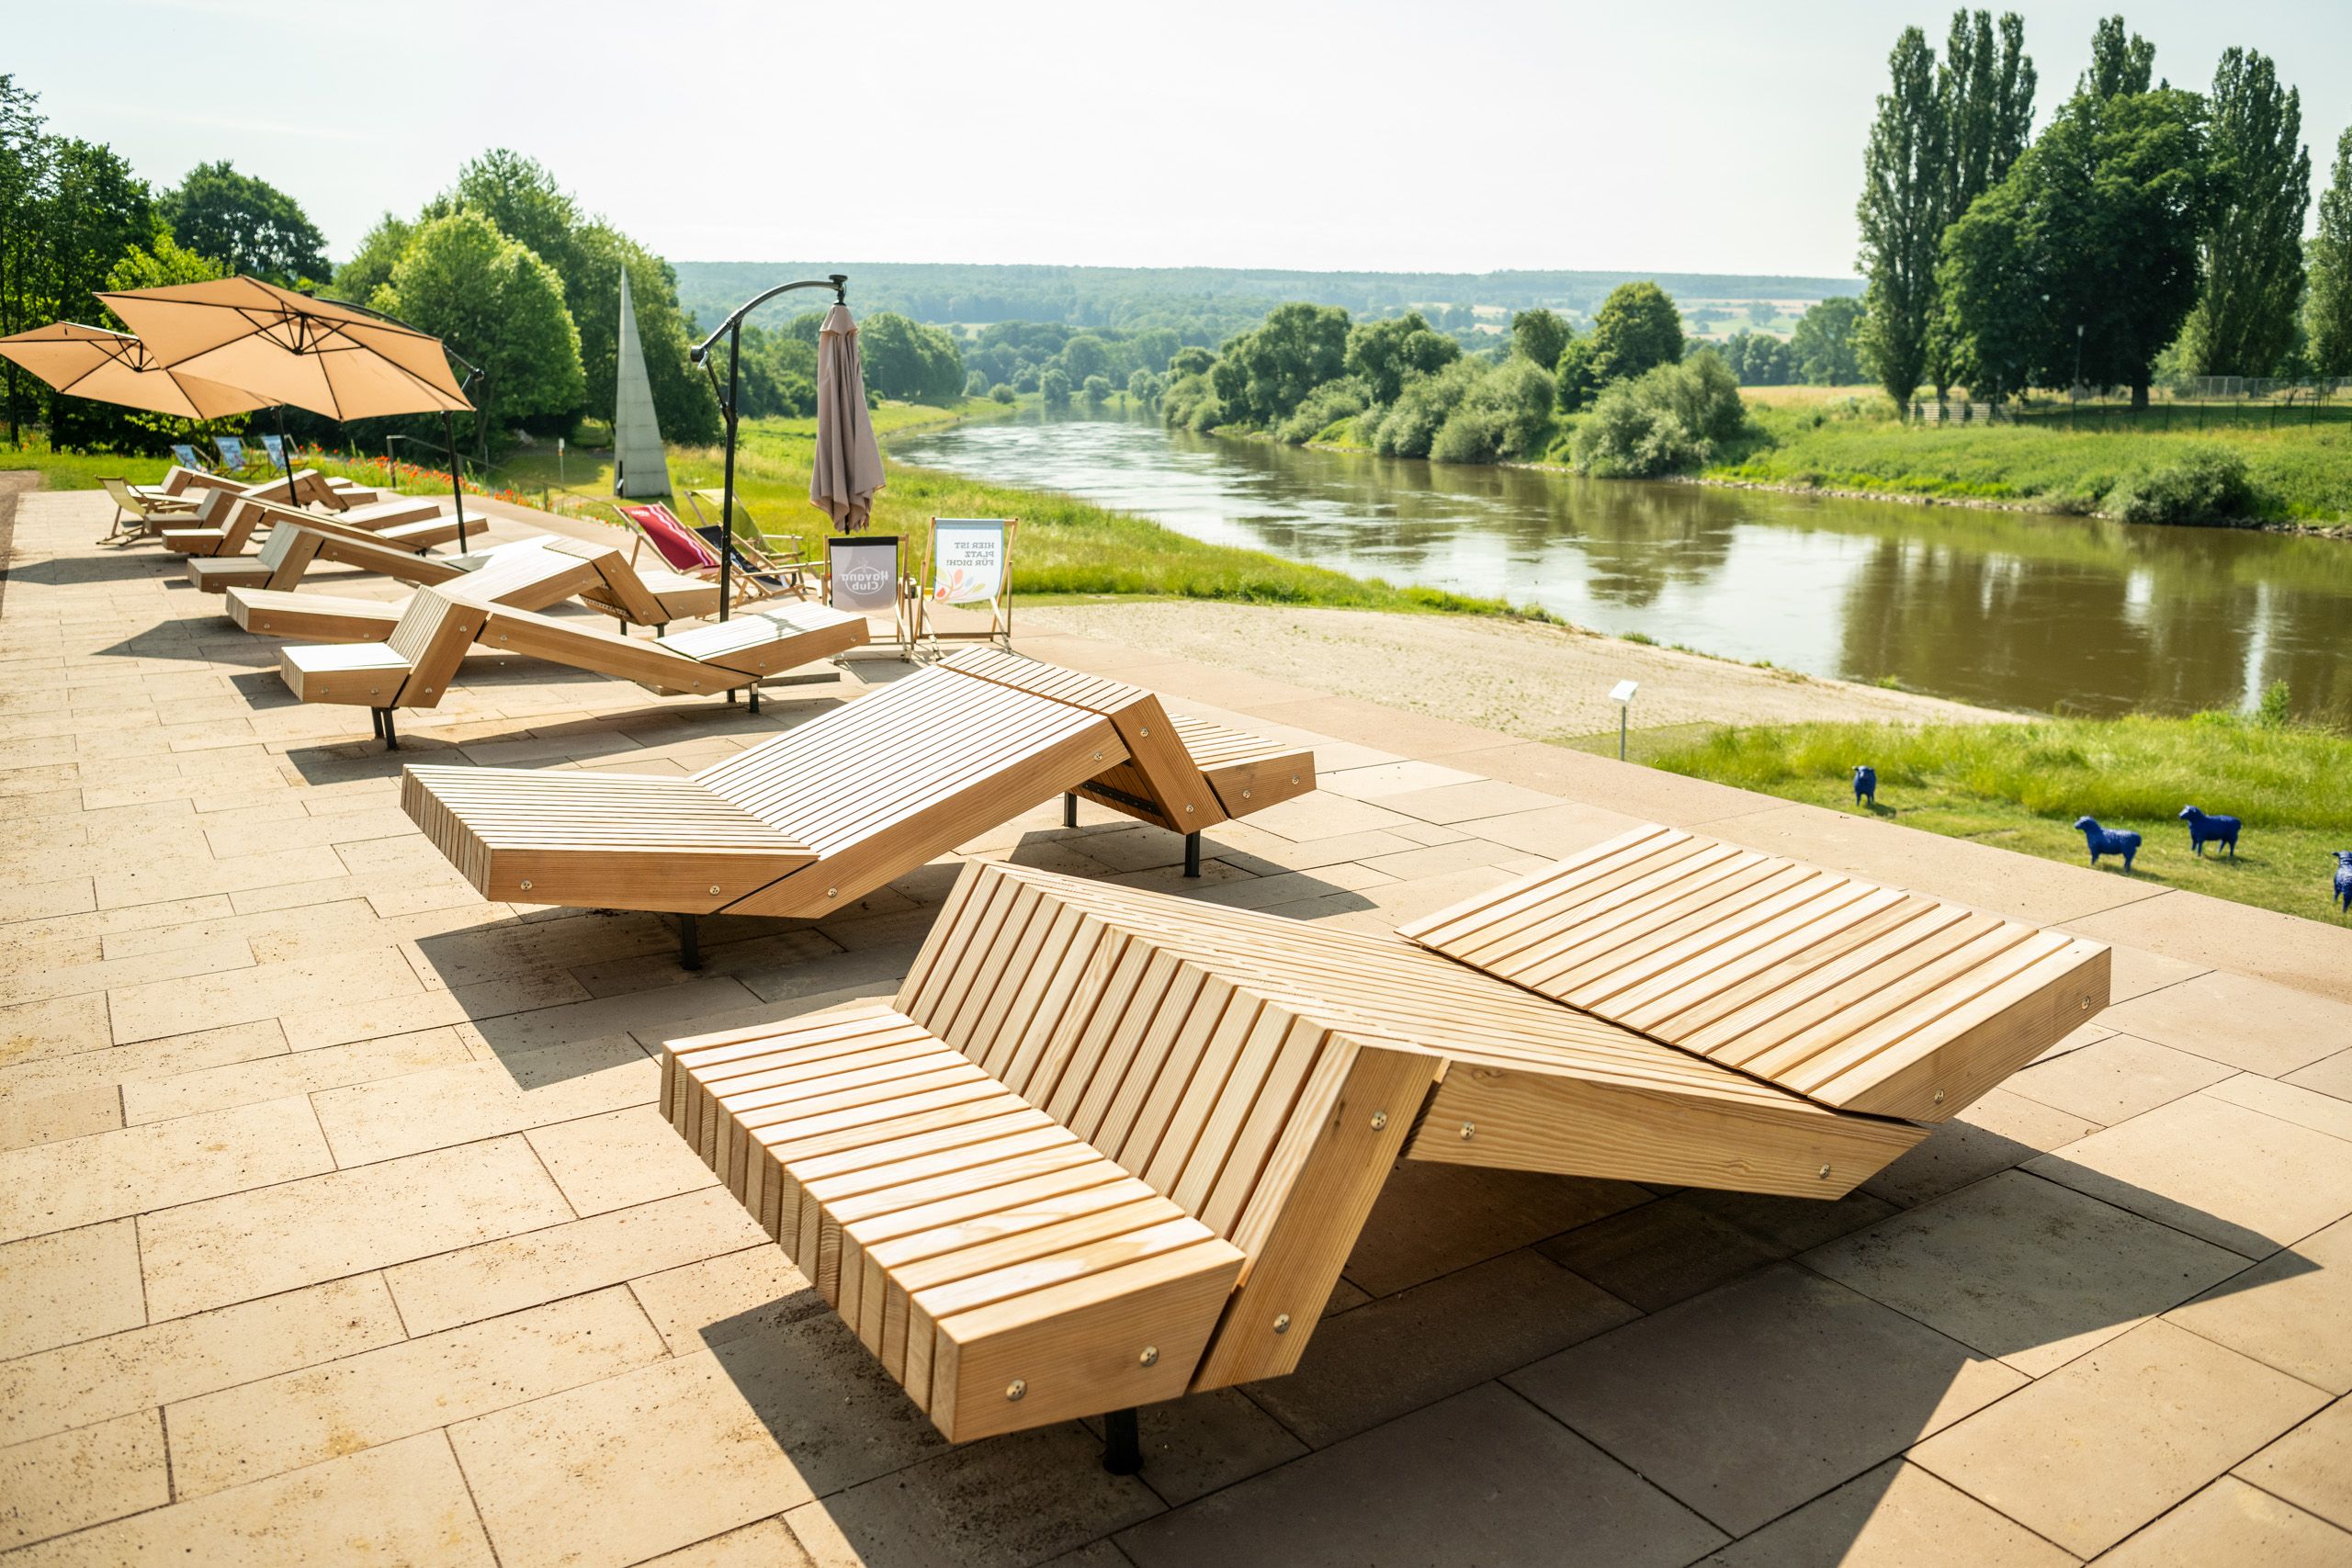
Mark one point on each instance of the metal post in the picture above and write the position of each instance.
(457, 491)
(392, 737)
(727, 505)
(375, 722)
(689, 943)
(1623, 710)
(1070, 809)
(1121, 1443)
(1191, 854)
(285, 457)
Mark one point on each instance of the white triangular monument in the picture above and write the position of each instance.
(639, 465)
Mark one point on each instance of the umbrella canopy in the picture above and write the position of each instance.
(113, 367)
(849, 465)
(331, 358)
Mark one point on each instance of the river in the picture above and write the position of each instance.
(2010, 610)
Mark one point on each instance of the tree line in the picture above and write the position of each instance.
(2148, 230)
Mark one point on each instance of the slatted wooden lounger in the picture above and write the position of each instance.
(409, 522)
(412, 668)
(156, 509)
(1106, 1147)
(266, 601)
(838, 806)
(525, 575)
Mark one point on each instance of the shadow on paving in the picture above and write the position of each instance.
(1510, 1407)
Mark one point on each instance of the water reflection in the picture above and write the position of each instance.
(2002, 608)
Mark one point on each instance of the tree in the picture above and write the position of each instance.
(1096, 390)
(2258, 186)
(1055, 387)
(1991, 313)
(1539, 336)
(498, 304)
(1825, 348)
(24, 173)
(1190, 361)
(246, 225)
(1382, 354)
(522, 197)
(1084, 357)
(1297, 348)
(2331, 258)
(684, 404)
(1985, 94)
(903, 359)
(1637, 327)
(94, 209)
(1572, 377)
(1902, 214)
(370, 267)
(1144, 388)
(2121, 66)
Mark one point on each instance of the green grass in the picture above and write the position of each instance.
(2020, 786)
(2301, 472)
(78, 470)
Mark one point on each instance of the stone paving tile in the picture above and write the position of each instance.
(619, 1159)
(1404, 1351)
(701, 1304)
(1400, 777)
(283, 1423)
(1431, 1218)
(253, 1244)
(2212, 933)
(60, 1026)
(407, 1008)
(1892, 1516)
(402, 1503)
(292, 1073)
(2090, 1453)
(2237, 1178)
(442, 1106)
(1999, 1130)
(2117, 1079)
(256, 992)
(166, 1058)
(69, 1285)
(164, 1362)
(1755, 1398)
(2311, 1466)
(2291, 1311)
(2232, 1522)
(2288, 1102)
(1659, 1253)
(1452, 804)
(1000, 1504)
(1517, 1489)
(73, 1479)
(2025, 1270)
(546, 1260)
(1205, 1442)
(28, 1118)
(2330, 1075)
(1788, 1224)
(2252, 1024)
(767, 1544)
(58, 1186)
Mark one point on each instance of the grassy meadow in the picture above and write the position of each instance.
(1831, 438)
(2020, 786)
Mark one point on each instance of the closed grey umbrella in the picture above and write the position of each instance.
(848, 469)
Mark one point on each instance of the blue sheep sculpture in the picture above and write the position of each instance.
(2106, 842)
(2344, 880)
(1865, 783)
(2204, 830)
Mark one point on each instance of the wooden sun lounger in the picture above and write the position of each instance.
(525, 575)
(200, 498)
(409, 522)
(412, 666)
(293, 546)
(1106, 1147)
(841, 805)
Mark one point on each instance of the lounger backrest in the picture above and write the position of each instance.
(676, 542)
(361, 548)
(1857, 996)
(433, 634)
(1160, 782)
(119, 491)
(908, 773)
(589, 645)
(618, 587)
(288, 551)
(385, 514)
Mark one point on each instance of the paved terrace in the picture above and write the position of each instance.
(336, 1225)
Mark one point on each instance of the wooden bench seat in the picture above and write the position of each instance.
(859, 795)
(522, 575)
(1099, 1128)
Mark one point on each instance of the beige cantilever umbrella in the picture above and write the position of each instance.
(114, 367)
(848, 468)
(340, 360)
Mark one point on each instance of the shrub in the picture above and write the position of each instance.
(1409, 427)
(1668, 422)
(1325, 406)
(1506, 413)
(2202, 484)
(1001, 393)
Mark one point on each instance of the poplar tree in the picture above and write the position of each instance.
(1986, 89)
(1902, 215)
(2331, 295)
(2258, 188)
(2121, 64)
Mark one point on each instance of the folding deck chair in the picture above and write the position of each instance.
(773, 560)
(1107, 1147)
(150, 511)
(969, 561)
(413, 666)
(809, 822)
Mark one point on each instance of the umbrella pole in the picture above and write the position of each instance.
(457, 490)
(286, 458)
(726, 503)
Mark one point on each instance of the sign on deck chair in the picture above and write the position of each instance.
(276, 447)
(863, 578)
(232, 451)
(969, 564)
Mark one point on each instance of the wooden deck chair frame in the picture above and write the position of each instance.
(1000, 626)
(147, 510)
(761, 568)
(903, 589)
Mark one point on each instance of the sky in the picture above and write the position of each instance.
(1682, 135)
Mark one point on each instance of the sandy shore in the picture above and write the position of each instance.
(1537, 681)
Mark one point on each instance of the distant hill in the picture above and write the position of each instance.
(1208, 302)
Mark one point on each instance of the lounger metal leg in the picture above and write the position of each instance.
(1069, 810)
(1191, 854)
(689, 943)
(376, 721)
(392, 737)
(1121, 1444)
(755, 696)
